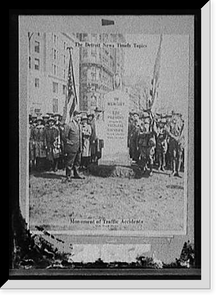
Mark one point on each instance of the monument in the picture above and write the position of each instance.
(116, 112)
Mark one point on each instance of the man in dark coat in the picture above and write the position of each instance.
(53, 148)
(72, 137)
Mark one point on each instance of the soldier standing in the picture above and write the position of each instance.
(162, 145)
(147, 144)
(52, 135)
(40, 143)
(91, 122)
(133, 138)
(176, 144)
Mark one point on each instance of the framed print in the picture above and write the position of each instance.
(109, 119)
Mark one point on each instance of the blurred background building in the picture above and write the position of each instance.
(48, 59)
(98, 69)
(95, 70)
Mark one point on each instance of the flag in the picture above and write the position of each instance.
(71, 95)
(155, 79)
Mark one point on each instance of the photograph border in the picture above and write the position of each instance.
(130, 273)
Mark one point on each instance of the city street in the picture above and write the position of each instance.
(147, 203)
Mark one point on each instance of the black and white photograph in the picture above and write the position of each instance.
(107, 147)
(109, 121)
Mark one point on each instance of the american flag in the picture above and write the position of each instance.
(156, 74)
(71, 95)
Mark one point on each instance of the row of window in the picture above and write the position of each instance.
(55, 68)
(54, 107)
(54, 86)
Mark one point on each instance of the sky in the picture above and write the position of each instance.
(174, 68)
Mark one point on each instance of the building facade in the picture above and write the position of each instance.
(48, 59)
(98, 68)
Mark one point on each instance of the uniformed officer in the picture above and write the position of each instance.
(176, 143)
(53, 148)
(133, 138)
(162, 145)
(40, 143)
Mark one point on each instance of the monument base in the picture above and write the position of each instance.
(115, 171)
(115, 159)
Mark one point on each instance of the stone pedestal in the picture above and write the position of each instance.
(115, 151)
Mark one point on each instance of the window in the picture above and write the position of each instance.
(37, 82)
(29, 62)
(55, 105)
(64, 89)
(54, 69)
(55, 87)
(55, 54)
(37, 64)
(37, 111)
(37, 46)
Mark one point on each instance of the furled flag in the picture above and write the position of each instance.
(71, 95)
(155, 79)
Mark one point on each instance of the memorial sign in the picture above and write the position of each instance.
(116, 113)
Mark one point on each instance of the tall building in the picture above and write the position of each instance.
(48, 59)
(98, 68)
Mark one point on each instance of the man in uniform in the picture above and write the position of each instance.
(133, 138)
(91, 122)
(162, 144)
(176, 143)
(72, 147)
(147, 143)
(52, 135)
(40, 143)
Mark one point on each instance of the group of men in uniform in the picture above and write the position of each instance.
(53, 144)
(153, 140)
(157, 140)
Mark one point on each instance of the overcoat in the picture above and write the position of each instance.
(72, 138)
(40, 141)
(52, 142)
(86, 135)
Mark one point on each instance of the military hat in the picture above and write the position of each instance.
(46, 116)
(57, 115)
(50, 114)
(40, 119)
(51, 120)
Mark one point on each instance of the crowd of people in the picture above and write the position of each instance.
(153, 141)
(51, 141)
(157, 141)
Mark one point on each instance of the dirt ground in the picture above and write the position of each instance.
(107, 203)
